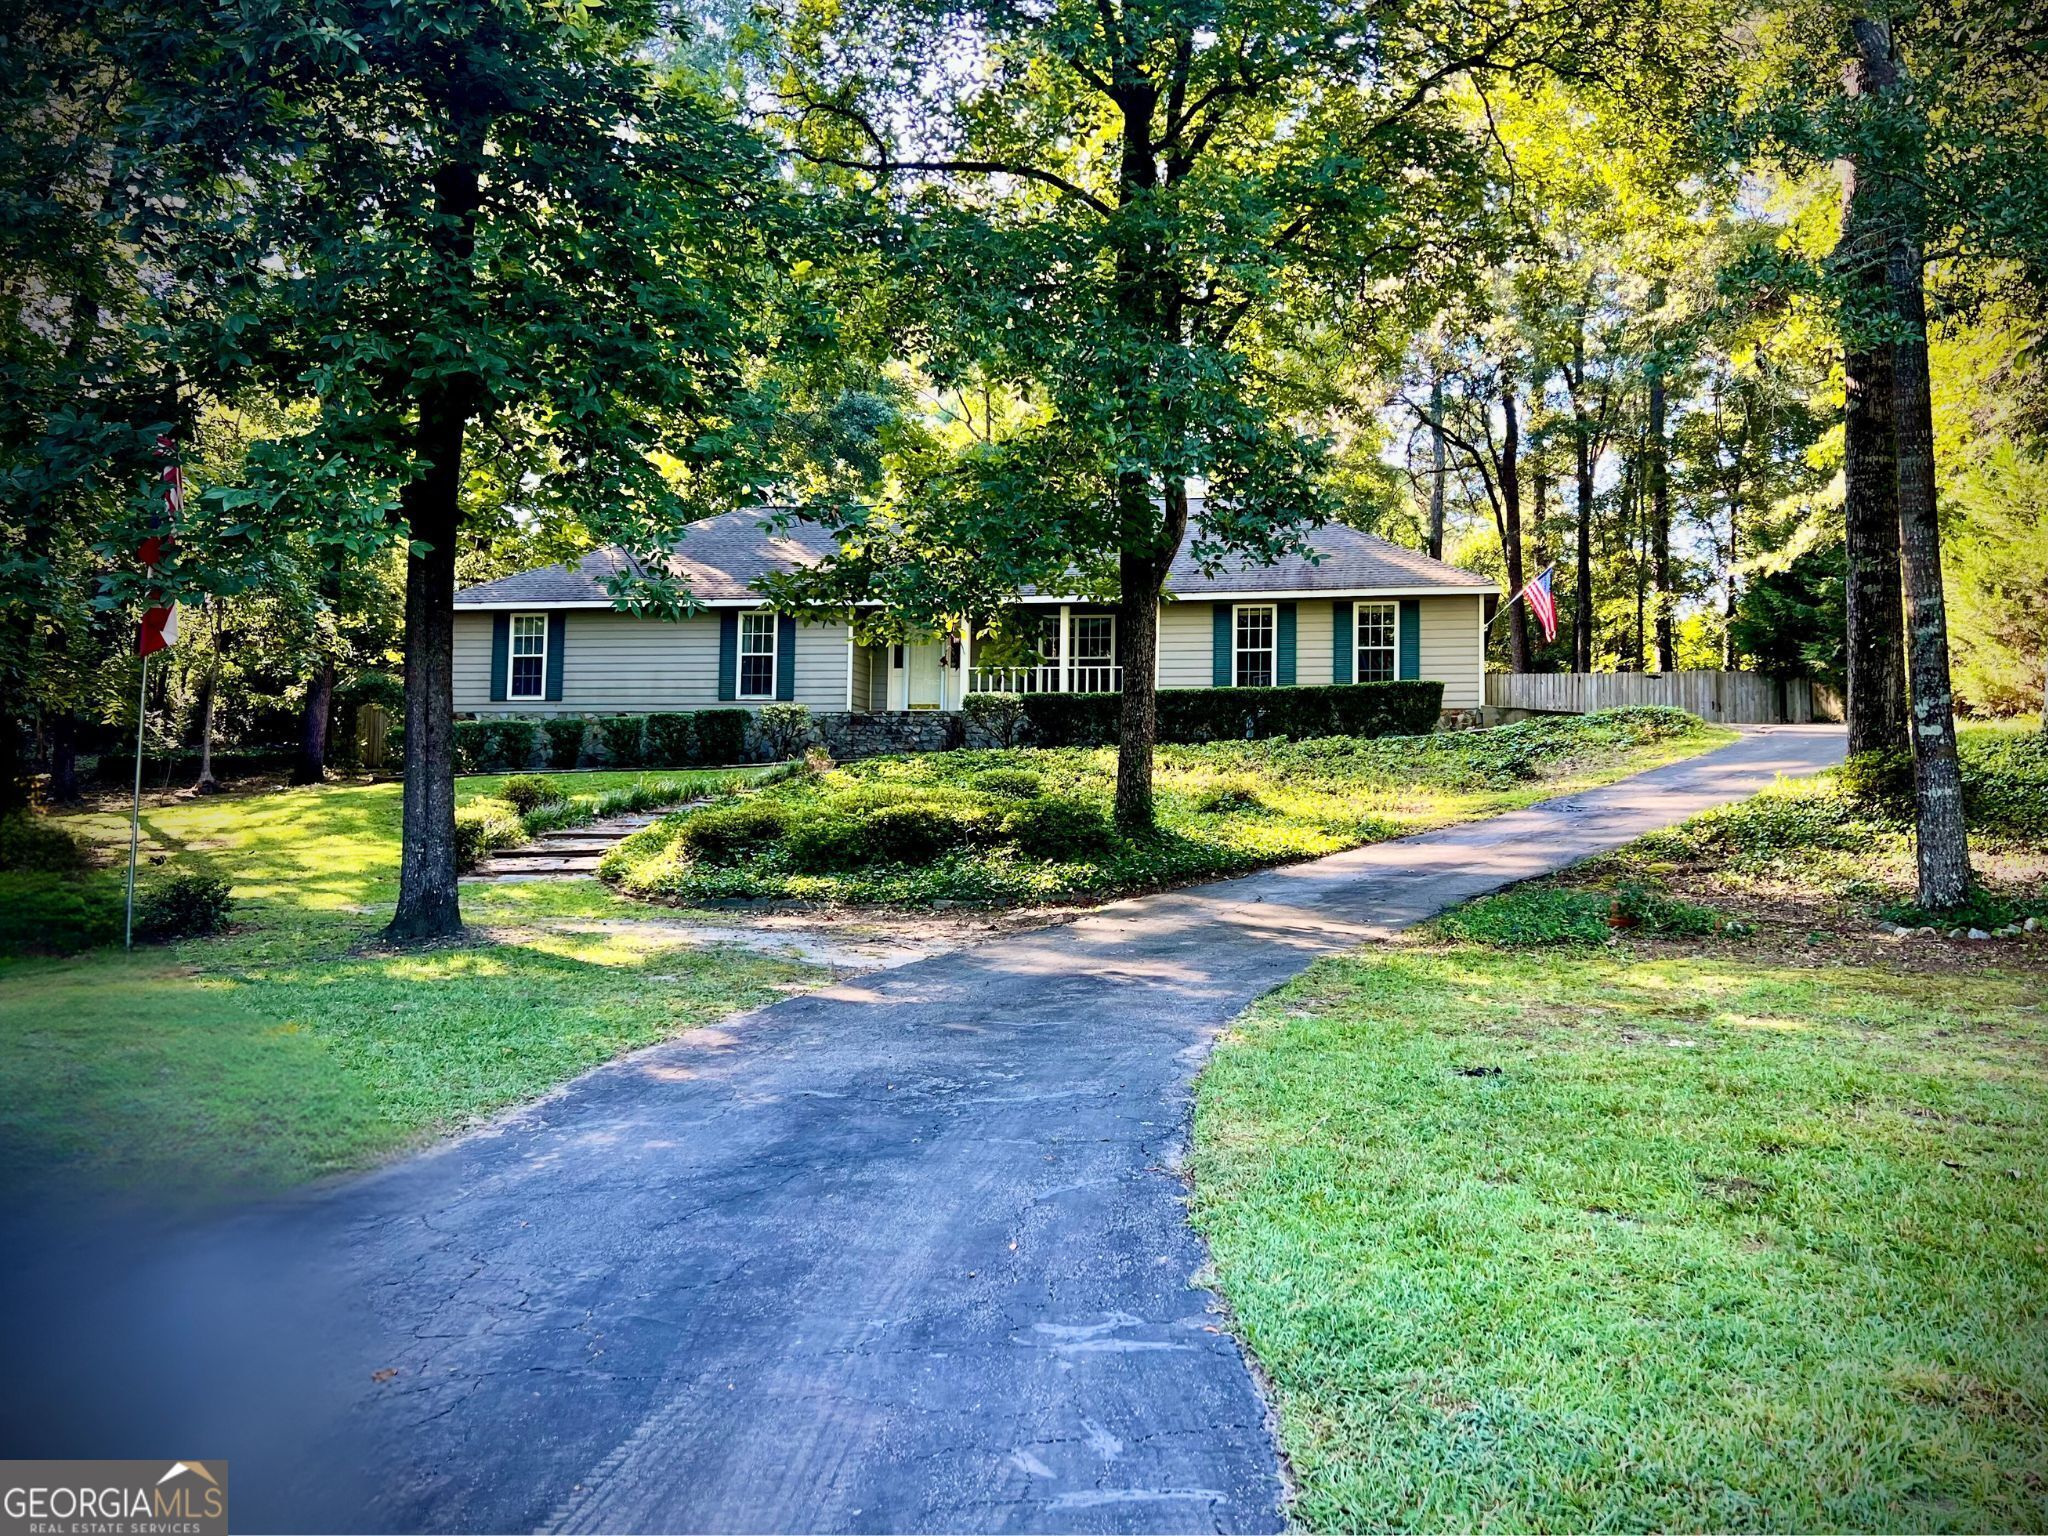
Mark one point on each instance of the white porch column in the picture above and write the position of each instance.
(1066, 649)
(966, 656)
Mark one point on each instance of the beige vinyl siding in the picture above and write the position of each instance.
(1184, 645)
(620, 663)
(1313, 643)
(1450, 650)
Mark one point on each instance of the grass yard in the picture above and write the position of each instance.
(1032, 825)
(1537, 1226)
(293, 1046)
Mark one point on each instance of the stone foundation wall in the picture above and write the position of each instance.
(848, 735)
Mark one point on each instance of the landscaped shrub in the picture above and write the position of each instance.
(669, 742)
(528, 790)
(565, 740)
(495, 746)
(1000, 718)
(917, 831)
(823, 843)
(1534, 917)
(1057, 829)
(188, 905)
(623, 738)
(46, 913)
(482, 827)
(785, 729)
(721, 736)
(727, 832)
(32, 842)
(1010, 783)
(1243, 714)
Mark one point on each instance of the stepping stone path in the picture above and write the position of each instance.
(569, 853)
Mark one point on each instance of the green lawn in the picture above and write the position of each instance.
(1031, 825)
(1691, 1230)
(293, 1046)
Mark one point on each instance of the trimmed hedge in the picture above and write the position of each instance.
(1191, 715)
(565, 740)
(495, 746)
(721, 736)
(670, 741)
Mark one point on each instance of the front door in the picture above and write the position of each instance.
(921, 665)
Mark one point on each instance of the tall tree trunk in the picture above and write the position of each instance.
(1657, 472)
(1941, 838)
(64, 786)
(1511, 524)
(1943, 842)
(311, 767)
(1876, 648)
(428, 903)
(1436, 464)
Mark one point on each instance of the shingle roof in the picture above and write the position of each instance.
(721, 558)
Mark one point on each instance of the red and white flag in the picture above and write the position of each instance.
(1541, 603)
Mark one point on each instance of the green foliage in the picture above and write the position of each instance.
(721, 834)
(1011, 783)
(953, 826)
(623, 738)
(494, 746)
(785, 729)
(186, 904)
(995, 719)
(721, 736)
(1880, 781)
(482, 827)
(32, 842)
(118, 768)
(526, 791)
(2005, 781)
(670, 741)
(1982, 909)
(565, 740)
(1058, 829)
(1530, 917)
(1243, 714)
(48, 913)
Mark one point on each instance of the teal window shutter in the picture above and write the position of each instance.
(785, 657)
(501, 652)
(1409, 657)
(1343, 642)
(1283, 645)
(1221, 644)
(728, 655)
(558, 632)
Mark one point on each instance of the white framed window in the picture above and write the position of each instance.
(526, 667)
(1255, 627)
(1379, 629)
(1049, 639)
(757, 656)
(1094, 639)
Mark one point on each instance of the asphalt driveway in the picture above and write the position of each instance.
(907, 1254)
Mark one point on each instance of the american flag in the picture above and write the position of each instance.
(1541, 603)
(160, 619)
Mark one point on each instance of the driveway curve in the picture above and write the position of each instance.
(905, 1254)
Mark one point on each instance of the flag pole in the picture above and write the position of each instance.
(135, 810)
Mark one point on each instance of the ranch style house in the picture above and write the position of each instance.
(550, 641)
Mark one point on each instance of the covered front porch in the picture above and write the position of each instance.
(1042, 648)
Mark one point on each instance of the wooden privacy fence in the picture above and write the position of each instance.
(1726, 698)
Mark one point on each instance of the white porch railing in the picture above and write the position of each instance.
(1081, 677)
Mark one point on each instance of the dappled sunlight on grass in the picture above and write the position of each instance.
(1565, 1240)
(294, 1046)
